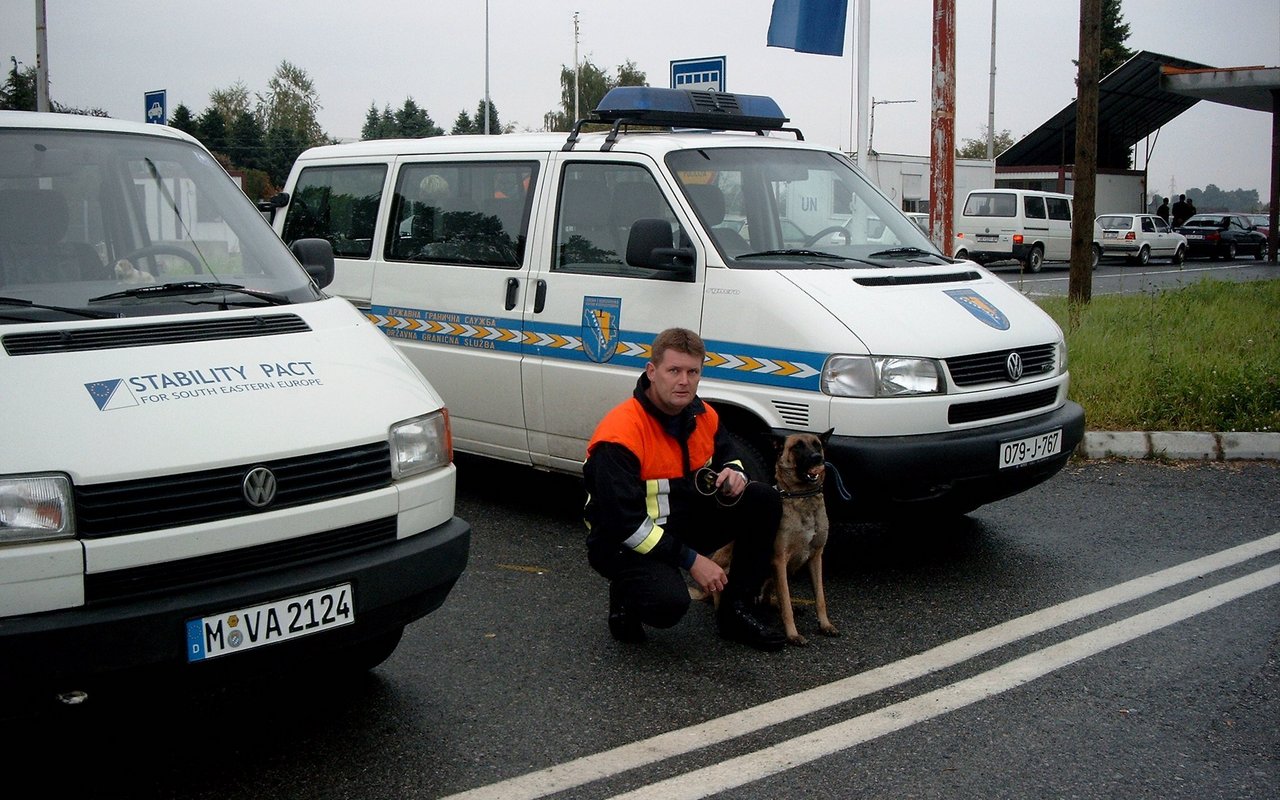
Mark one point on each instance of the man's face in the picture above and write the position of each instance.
(673, 382)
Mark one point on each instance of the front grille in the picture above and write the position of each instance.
(989, 367)
(990, 409)
(191, 573)
(112, 509)
(78, 339)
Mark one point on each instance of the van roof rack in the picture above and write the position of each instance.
(683, 108)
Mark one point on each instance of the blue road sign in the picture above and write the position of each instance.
(157, 110)
(698, 73)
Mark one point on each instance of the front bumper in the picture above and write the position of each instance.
(956, 471)
(393, 585)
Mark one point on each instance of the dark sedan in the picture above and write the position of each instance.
(1222, 236)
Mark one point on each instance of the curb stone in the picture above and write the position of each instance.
(1181, 445)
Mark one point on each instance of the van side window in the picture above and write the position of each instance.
(472, 212)
(339, 204)
(1033, 207)
(598, 204)
(1059, 208)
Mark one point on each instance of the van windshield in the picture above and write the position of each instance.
(88, 217)
(772, 208)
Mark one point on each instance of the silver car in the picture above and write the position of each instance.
(1140, 238)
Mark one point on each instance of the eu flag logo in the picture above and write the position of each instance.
(111, 394)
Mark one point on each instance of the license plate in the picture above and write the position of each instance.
(1110, 235)
(1195, 235)
(1033, 448)
(269, 623)
(982, 237)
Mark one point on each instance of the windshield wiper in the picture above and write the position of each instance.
(796, 252)
(78, 312)
(190, 287)
(901, 252)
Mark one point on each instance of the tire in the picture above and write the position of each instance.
(1144, 256)
(963, 255)
(1097, 254)
(1230, 255)
(364, 656)
(758, 463)
(1035, 259)
(1179, 256)
(1261, 254)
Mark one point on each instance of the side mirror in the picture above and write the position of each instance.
(316, 257)
(269, 206)
(649, 245)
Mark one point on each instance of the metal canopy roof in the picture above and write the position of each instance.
(1132, 103)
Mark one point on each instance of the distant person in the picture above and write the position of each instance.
(1180, 212)
(1191, 209)
(1163, 211)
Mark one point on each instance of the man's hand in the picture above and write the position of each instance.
(731, 482)
(708, 575)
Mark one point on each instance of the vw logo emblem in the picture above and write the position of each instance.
(1013, 366)
(259, 487)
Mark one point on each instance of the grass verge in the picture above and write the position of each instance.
(1205, 357)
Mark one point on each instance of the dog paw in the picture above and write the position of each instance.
(797, 640)
(830, 630)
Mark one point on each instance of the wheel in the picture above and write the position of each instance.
(758, 463)
(814, 239)
(152, 250)
(1097, 255)
(1144, 256)
(364, 656)
(1230, 255)
(963, 255)
(1261, 254)
(1179, 255)
(1035, 259)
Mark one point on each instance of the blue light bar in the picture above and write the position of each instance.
(684, 108)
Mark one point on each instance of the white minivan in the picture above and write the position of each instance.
(1022, 225)
(529, 273)
(209, 466)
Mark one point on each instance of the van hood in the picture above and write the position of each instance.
(919, 312)
(139, 408)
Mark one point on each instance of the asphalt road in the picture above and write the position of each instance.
(1114, 276)
(1114, 632)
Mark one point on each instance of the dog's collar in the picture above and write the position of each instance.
(817, 490)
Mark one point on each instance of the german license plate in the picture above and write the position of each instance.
(1110, 235)
(982, 237)
(1195, 235)
(1033, 448)
(269, 623)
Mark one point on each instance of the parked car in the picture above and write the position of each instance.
(1141, 237)
(1222, 236)
(920, 219)
(1260, 222)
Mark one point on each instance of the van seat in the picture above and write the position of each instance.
(33, 224)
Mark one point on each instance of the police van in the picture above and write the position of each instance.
(529, 273)
(209, 466)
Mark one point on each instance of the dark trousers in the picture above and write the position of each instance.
(656, 592)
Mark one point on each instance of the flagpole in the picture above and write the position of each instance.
(863, 21)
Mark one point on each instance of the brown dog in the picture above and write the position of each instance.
(802, 533)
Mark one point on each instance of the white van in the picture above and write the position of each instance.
(1017, 224)
(529, 273)
(209, 466)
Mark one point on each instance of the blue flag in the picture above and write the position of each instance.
(809, 26)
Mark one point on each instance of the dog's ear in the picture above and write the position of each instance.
(823, 437)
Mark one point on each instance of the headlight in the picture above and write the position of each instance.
(421, 444)
(880, 376)
(35, 507)
(1062, 357)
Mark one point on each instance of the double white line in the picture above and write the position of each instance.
(803, 749)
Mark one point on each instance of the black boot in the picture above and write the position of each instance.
(623, 625)
(738, 622)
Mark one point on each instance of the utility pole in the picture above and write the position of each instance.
(576, 70)
(942, 148)
(991, 93)
(42, 59)
(1085, 170)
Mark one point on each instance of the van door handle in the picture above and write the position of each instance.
(513, 287)
(539, 296)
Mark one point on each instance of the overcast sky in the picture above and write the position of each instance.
(107, 53)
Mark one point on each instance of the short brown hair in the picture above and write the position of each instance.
(680, 339)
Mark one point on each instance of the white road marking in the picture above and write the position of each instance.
(608, 763)
(792, 753)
